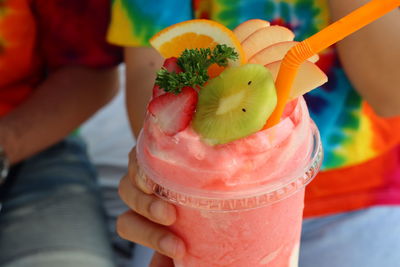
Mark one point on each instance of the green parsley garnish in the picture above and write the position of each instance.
(194, 63)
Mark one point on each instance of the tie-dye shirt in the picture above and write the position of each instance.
(362, 151)
(37, 36)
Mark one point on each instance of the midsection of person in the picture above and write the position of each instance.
(361, 167)
(18, 61)
(31, 45)
(357, 142)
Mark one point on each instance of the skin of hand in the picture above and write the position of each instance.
(68, 97)
(146, 222)
(371, 58)
(142, 64)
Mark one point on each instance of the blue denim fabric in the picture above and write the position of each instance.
(367, 238)
(52, 214)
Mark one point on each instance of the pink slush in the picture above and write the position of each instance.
(239, 204)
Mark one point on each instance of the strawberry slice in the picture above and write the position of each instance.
(173, 113)
(157, 91)
(171, 65)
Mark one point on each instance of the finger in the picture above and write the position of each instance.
(136, 175)
(149, 206)
(132, 165)
(160, 260)
(141, 181)
(134, 227)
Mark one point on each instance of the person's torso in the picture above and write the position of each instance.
(38, 37)
(18, 60)
(361, 150)
(351, 133)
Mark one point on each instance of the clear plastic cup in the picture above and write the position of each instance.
(252, 217)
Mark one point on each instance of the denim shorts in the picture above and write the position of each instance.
(52, 214)
(364, 238)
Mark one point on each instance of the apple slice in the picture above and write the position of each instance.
(276, 52)
(308, 77)
(265, 37)
(248, 27)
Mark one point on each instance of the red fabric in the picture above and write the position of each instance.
(37, 36)
(355, 187)
(74, 32)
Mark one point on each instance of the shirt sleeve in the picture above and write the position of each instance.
(134, 22)
(74, 32)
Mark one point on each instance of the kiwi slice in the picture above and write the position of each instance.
(235, 104)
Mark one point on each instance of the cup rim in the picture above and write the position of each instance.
(233, 201)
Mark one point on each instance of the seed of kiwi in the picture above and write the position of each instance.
(235, 104)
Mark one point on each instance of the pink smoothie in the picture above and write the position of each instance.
(240, 204)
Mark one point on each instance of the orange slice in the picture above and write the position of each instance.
(197, 33)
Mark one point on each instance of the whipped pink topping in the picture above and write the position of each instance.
(270, 157)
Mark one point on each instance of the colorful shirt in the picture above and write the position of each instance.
(362, 151)
(38, 36)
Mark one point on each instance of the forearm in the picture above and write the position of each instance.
(371, 58)
(142, 64)
(58, 106)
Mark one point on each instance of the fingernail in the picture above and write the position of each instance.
(172, 246)
(162, 212)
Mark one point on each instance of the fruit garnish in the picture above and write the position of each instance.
(309, 77)
(276, 52)
(157, 91)
(265, 37)
(235, 104)
(173, 113)
(268, 46)
(248, 27)
(171, 65)
(195, 34)
(194, 64)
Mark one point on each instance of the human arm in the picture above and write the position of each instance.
(145, 223)
(133, 31)
(81, 75)
(58, 106)
(142, 64)
(371, 58)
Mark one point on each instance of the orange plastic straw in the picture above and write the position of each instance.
(319, 41)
